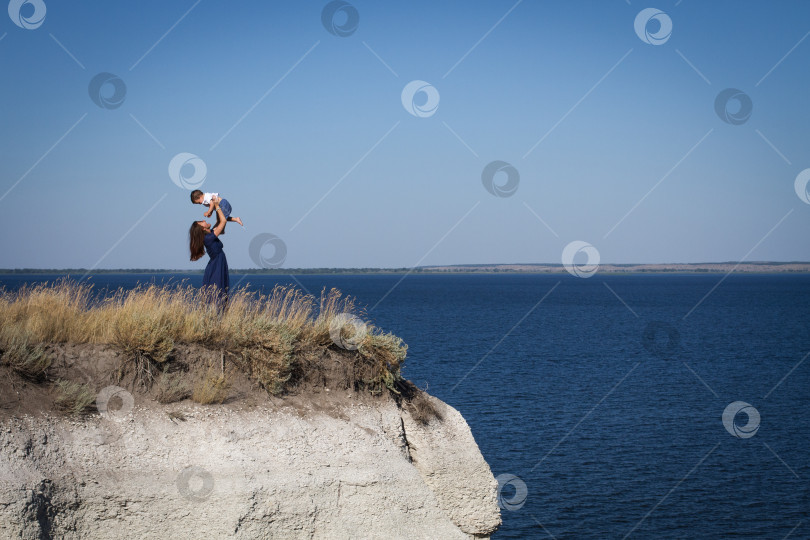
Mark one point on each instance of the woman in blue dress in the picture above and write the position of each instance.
(201, 239)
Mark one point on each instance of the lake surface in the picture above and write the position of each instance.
(599, 402)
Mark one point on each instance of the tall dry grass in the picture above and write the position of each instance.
(267, 333)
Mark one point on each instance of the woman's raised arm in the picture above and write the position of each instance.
(220, 217)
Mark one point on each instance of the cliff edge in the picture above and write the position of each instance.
(317, 465)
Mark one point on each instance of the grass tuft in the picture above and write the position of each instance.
(74, 398)
(30, 360)
(422, 409)
(212, 388)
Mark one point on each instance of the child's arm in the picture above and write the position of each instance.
(209, 211)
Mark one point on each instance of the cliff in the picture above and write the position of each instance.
(320, 464)
(150, 413)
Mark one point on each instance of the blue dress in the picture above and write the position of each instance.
(216, 273)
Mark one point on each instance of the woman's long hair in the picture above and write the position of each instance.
(196, 238)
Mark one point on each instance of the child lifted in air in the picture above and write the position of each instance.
(198, 197)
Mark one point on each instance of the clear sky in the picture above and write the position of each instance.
(609, 129)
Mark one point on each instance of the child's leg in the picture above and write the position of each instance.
(236, 219)
(225, 206)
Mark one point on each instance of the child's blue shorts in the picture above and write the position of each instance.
(226, 208)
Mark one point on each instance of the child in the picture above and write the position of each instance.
(198, 197)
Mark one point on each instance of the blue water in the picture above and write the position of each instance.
(610, 415)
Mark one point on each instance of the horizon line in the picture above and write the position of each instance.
(394, 268)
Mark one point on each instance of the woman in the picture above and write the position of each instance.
(202, 236)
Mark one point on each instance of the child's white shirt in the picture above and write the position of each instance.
(208, 196)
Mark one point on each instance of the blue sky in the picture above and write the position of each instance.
(616, 141)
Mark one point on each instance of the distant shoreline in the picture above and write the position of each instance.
(688, 268)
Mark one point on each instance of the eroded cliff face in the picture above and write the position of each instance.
(338, 466)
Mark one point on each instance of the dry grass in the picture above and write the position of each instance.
(422, 409)
(26, 358)
(213, 387)
(74, 398)
(268, 335)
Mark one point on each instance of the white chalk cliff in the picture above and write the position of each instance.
(349, 468)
